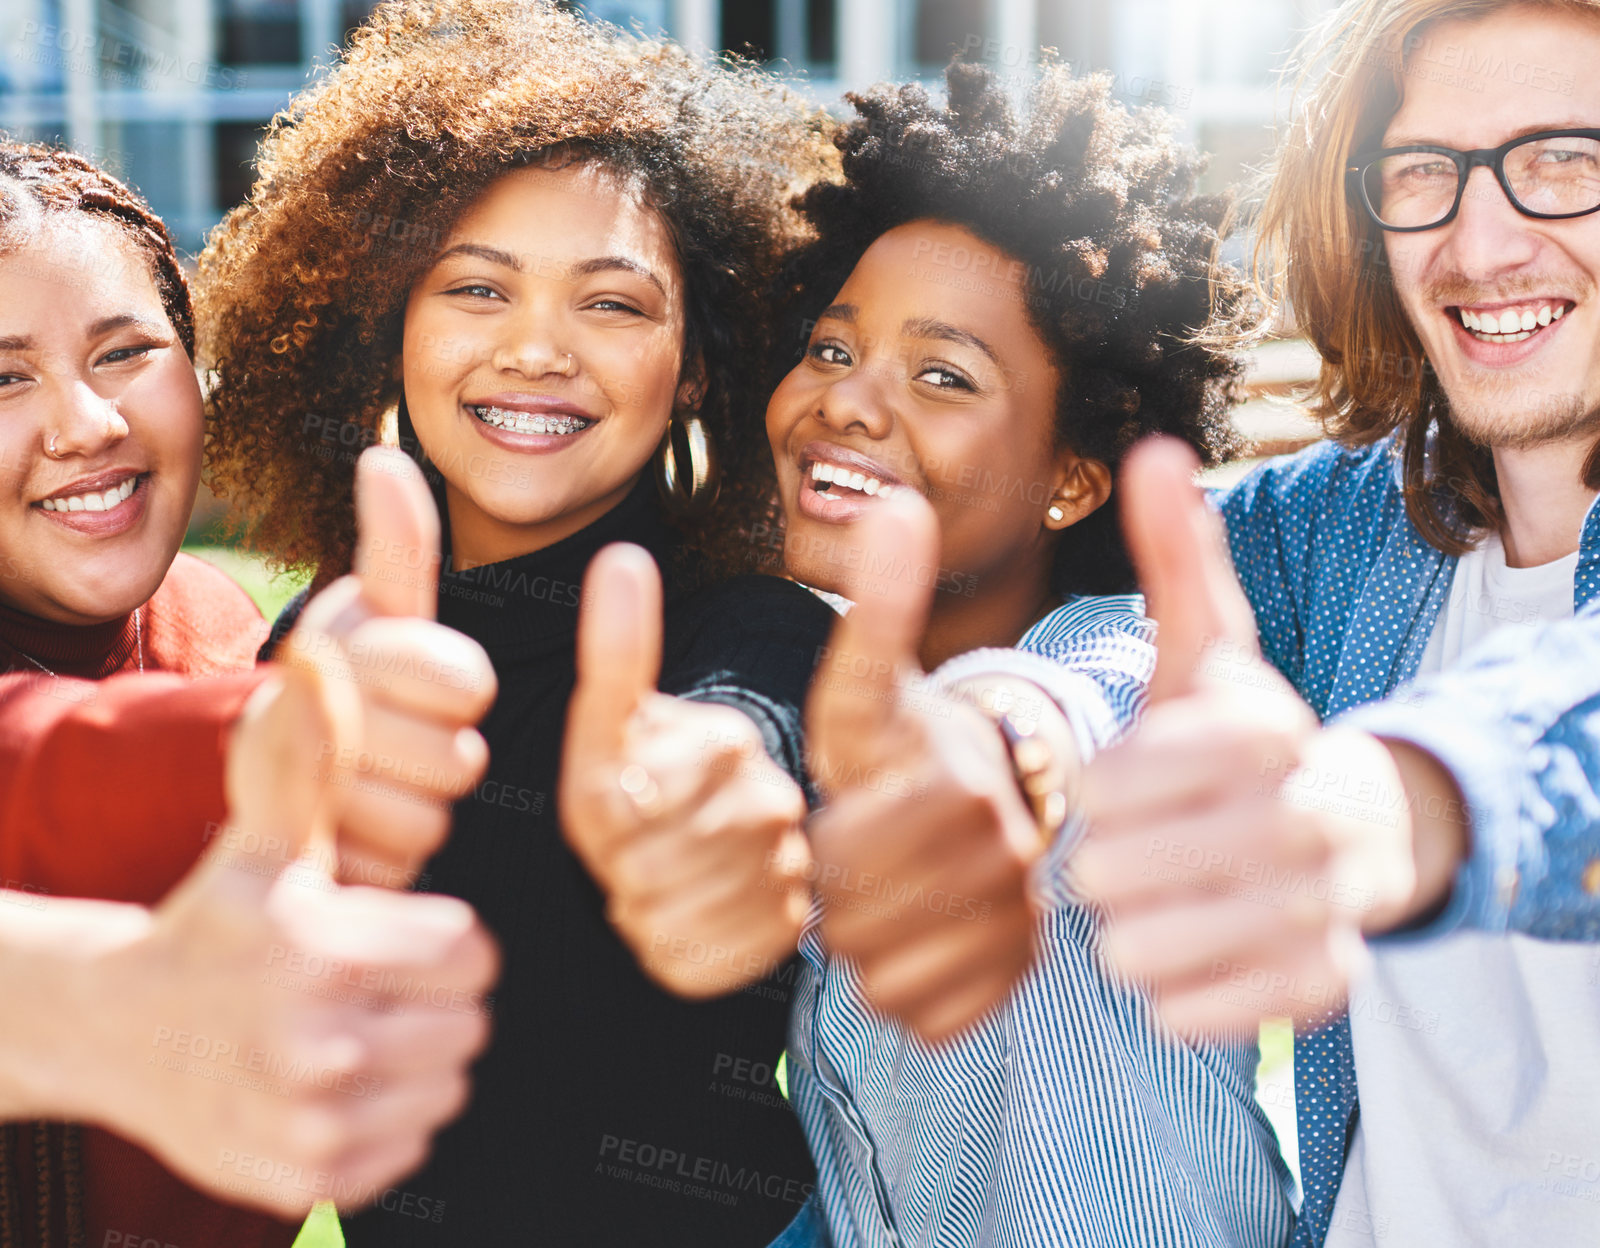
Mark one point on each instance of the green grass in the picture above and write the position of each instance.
(321, 1229)
(1275, 1088)
(270, 591)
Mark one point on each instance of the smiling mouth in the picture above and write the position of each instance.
(557, 423)
(837, 482)
(1510, 324)
(94, 500)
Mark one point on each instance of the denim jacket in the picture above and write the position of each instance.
(1346, 593)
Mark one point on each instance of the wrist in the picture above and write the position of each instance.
(1440, 838)
(1038, 741)
(64, 963)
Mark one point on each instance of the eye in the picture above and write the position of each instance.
(945, 378)
(10, 379)
(123, 354)
(828, 353)
(615, 305)
(1563, 156)
(475, 290)
(1413, 169)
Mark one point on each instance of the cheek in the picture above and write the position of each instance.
(425, 356)
(638, 379)
(1407, 263)
(437, 349)
(787, 407)
(429, 372)
(953, 458)
(987, 483)
(170, 417)
(19, 444)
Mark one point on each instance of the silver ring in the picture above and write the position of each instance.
(51, 449)
(640, 788)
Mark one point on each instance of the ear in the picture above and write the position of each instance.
(692, 386)
(1078, 488)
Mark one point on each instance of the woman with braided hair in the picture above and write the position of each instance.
(125, 673)
(94, 504)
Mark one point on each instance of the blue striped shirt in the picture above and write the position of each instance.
(1068, 1116)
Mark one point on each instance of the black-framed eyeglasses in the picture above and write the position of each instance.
(1551, 175)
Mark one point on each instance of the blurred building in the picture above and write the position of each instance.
(173, 94)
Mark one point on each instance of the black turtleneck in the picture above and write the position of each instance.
(606, 1111)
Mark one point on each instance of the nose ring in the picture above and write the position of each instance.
(51, 449)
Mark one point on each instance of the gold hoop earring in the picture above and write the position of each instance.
(389, 424)
(686, 467)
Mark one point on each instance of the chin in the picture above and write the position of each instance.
(78, 609)
(1491, 422)
(522, 513)
(817, 573)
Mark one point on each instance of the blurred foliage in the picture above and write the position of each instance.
(270, 590)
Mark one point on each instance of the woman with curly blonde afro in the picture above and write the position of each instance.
(536, 251)
(1000, 300)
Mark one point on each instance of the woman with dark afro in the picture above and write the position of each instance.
(996, 306)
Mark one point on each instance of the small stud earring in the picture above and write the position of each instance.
(1056, 514)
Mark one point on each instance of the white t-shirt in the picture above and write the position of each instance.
(1478, 1055)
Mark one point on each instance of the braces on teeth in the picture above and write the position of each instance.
(522, 422)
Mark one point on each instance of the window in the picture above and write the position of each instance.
(942, 28)
(799, 32)
(258, 32)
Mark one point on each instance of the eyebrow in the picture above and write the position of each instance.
(584, 268)
(108, 323)
(1520, 133)
(103, 326)
(603, 264)
(930, 327)
(492, 254)
(845, 312)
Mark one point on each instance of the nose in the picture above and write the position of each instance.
(1489, 237)
(82, 423)
(531, 347)
(855, 403)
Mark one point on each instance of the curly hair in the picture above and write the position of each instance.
(1097, 202)
(302, 289)
(37, 182)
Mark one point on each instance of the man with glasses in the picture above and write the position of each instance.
(1550, 175)
(1435, 236)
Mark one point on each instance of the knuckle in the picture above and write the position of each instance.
(469, 759)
